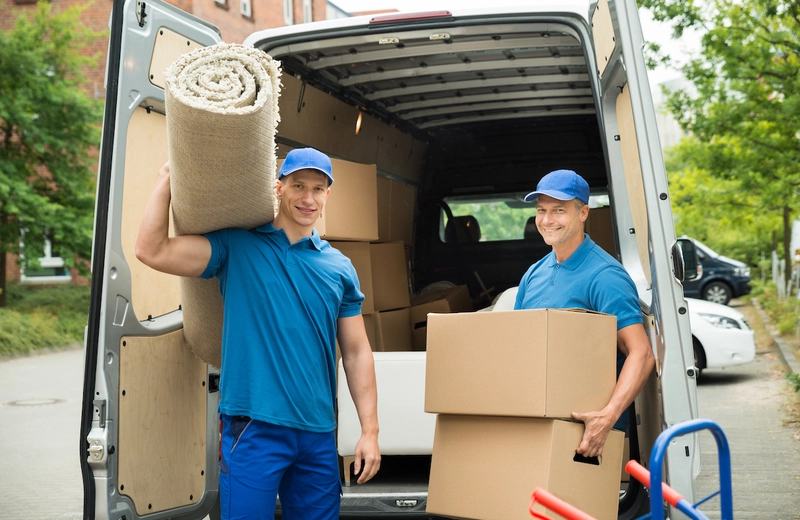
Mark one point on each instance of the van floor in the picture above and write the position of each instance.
(398, 475)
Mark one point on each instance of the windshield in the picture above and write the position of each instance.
(706, 250)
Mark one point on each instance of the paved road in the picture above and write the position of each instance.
(40, 402)
(40, 399)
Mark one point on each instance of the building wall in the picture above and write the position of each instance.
(225, 14)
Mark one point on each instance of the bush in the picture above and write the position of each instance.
(794, 381)
(42, 316)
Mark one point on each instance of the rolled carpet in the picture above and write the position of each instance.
(222, 115)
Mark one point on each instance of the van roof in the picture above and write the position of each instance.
(430, 75)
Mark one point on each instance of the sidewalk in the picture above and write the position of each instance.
(748, 402)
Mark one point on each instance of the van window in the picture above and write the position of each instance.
(492, 218)
(485, 218)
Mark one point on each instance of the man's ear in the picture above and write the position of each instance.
(278, 188)
(584, 213)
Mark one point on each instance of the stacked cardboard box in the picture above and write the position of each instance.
(443, 301)
(369, 218)
(505, 385)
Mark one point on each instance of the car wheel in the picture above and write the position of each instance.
(717, 292)
(699, 356)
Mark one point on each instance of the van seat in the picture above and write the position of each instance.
(532, 234)
(462, 229)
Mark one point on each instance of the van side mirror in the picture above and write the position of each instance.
(685, 259)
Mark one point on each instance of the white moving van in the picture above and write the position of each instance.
(464, 109)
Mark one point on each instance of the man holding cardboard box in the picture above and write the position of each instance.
(288, 296)
(579, 274)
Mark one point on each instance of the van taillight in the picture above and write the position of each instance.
(409, 17)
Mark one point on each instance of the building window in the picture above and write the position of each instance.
(308, 13)
(51, 268)
(245, 8)
(288, 12)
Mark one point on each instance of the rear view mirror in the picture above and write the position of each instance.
(685, 259)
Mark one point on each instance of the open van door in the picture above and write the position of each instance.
(149, 432)
(647, 240)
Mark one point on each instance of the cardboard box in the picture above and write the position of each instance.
(389, 276)
(601, 230)
(455, 299)
(351, 212)
(487, 468)
(626, 456)
(530, 363)
(359, 255)
(392, 332)
(396, 202)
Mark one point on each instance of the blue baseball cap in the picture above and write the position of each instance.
(561, 185)
(306, 159)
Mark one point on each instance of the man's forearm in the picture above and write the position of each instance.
(631, 380)
(363, 389)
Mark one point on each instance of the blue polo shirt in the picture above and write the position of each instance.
(281, 302)
(589, 279)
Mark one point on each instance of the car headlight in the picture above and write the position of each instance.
(741, 271)
(722, 322)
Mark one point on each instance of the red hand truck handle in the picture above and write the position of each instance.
(556, 505)
(638, 472)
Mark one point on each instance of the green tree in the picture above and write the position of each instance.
(48, 126)
(719, 212)
(744, 111)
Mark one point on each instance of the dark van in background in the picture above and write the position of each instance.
(723, 278)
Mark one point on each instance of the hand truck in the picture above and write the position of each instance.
(659, 490)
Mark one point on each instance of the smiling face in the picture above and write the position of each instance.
(301, 196)
(560, 223)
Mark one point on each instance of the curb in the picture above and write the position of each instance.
(783, 348)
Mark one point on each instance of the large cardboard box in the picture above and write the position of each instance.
(487, 467)
(359, 255)
(600, 228)
(389, 276)
(395, 210)
(529, 363)
(455, 299)
(392, 332)
(351, 212)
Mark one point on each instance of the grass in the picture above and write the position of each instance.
(38, 317)
(785, 316)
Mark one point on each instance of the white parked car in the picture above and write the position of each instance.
(721, 335)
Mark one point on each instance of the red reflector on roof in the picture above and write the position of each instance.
(407, 17)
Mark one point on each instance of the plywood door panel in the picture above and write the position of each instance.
(633, 176)
(152, 293)
(162, 423)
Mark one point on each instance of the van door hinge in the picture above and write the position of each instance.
(141, 15)
(98, 441)
(96, 450)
